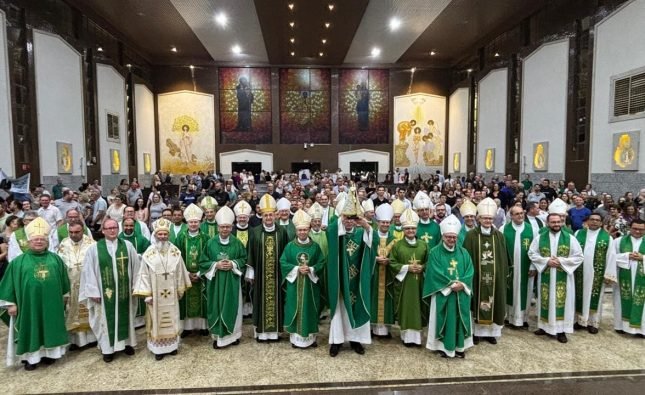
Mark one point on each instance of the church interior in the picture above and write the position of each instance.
(123, 89)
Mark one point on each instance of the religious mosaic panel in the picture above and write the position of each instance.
(625, 151)
(147, 163)
(115, 161)
(489, 160)
(64, 156)
(419, 133)
(245, 105)
(541, 156)
(305, 106)
(186, 132)
(456, 162)
(363, 106)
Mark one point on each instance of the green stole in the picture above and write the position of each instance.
(397, 231)
(526, 238)
(487, 278)
(139, 242)
(632, 300)
(109, 284)
(21, 238)
(173, 235)
(599, 263)
(561, 276)
(209, 228)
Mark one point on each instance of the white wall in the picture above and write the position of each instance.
(545, 73)
(458, 128)
(6, 131)
(364, 155)
(144, 104)
(59, 102)
(111, 98)
(619, 48)
(491, 119)
(245, 155)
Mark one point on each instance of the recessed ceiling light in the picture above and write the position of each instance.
(496, 54)
(290, 6)
(221, 19)
(128, 65)
(413, 69)
(331, 7)
(320, 54)
(173, 49)
(293, 53)
(376, 51)
(100, 48)
(432, 53)
(292, 40)
(292, 24)
(191, 67)
(327, 24)
(470, 70)
(236, 49)
(395, 23)
(324, 41)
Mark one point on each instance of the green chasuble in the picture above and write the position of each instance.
(175, 233)
(302, 299)
(223, 289)
(490, 261)
(526, 237)
(242, 235)
(21, 238)
(410, 309)
(320, 238)
(36, 283)
(603, 240)
(462, 235)
(382, 303)
(140, 244)
(289, 228)
(632, 299)
(430, 233)
(208, 228)
(452, 312)
(347, 277)
(265, 249)
(193, 303)
(110, 284)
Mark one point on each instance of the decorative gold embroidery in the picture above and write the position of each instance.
(41, 272)
(351, 247)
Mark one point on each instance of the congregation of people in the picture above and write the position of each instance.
(452, 260)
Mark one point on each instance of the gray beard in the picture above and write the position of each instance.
(162, 246)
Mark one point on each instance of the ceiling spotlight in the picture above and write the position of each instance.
(376, 51)
(496, 54)
(292, 40)
(320, 54)
(432, 53)
(128, 65)
(327, 24)
(292, 24)
(470, 70)
(293, 53)
(191, 67)
(290, 6)
(395, 23)
(413, 69)
(236, 49)
(173, 49)
(331, 7)
(99, 49)
(221, 19)
(324, 41)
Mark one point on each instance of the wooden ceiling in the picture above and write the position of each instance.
(154, 26)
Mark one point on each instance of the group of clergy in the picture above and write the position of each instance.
(202, 270)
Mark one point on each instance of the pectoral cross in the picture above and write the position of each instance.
(487, 278)
(120, 260)
(414, 261)
(426, 237)
(165, 275)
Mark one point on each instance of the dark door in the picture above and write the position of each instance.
(312, 166)
(357, 167)
(254, 167)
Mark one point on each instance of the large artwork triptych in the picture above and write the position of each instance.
(305, 106)
(364, 111)
(245, 105)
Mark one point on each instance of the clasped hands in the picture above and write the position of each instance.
(303, 269)
(553, 262)
(457, 286)
(415, 268)
(635, 256)
(382, 260)
(224, 264)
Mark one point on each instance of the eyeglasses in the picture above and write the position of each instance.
(112, 228)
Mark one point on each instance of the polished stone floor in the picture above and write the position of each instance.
(386, 366)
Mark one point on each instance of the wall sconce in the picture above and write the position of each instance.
(309, 145)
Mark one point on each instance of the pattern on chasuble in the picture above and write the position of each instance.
(269, 281)
(383, 251)
(41, 272)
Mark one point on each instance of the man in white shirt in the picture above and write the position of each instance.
(49, 212)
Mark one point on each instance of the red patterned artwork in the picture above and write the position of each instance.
(363, 106)
(305, 106)
(245, 105)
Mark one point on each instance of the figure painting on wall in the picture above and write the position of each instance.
(625, 151)
(186, 145)
(363, 106)
(541, 156)
(419, 120)
(245, 105)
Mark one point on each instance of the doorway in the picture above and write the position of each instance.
(254, 167)
(357, 167)
(311, 166)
